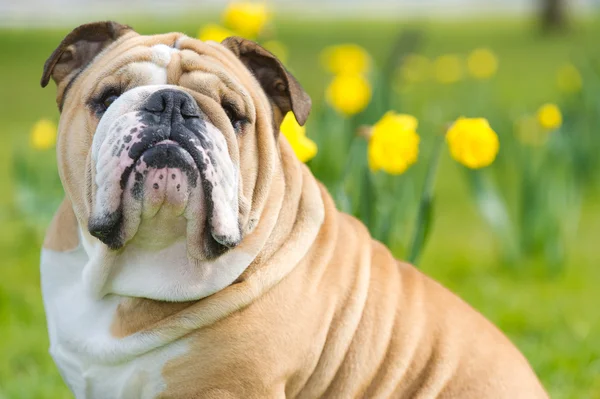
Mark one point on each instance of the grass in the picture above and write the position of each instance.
(552, 319)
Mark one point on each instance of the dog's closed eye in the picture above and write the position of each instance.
(108, 100)
(107, 96)
(235, 116)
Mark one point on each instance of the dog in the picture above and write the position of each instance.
(194, 256)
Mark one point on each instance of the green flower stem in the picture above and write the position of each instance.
(346, 186)
(408, 41)
(425, 212)
(367, 200)
(493, 209)
(392, 209)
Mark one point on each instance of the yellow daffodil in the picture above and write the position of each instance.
(473, 142)
(394, 143)
(349, 93)
(529, 132)
(448, 68)
(278, 49)
(549, 116)
(247, 18)
(482, 63)
(568, 79)
(43, 135)
(304, 148)
(346, 59)
(214, 32)
(405, 120)
(415, 68)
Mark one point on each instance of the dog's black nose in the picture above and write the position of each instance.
(172, 103)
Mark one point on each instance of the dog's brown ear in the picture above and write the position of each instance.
(79, 48)
(282, 88)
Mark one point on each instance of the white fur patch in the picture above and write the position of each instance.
(171, 275)
(126, 104)
(93, 363)
(161, 54)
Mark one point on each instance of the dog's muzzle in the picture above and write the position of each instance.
(158, 154)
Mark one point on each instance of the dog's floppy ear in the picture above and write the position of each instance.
(79, 48)
(282, 88)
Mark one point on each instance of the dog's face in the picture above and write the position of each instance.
(163, 137)
(163, 126)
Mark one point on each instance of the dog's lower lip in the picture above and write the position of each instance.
(164, 158)
(128, 170)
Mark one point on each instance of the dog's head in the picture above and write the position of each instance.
(163, 137)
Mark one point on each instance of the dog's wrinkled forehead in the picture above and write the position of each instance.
(108, 51)
(199, 70)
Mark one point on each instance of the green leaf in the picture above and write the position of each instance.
(425, 212)
(492, 207)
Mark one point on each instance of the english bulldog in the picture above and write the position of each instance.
(195, 256)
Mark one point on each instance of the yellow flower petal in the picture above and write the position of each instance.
(349, 94)
(549, 116)
(247, 18)
(409, 121)
(394, 143)
(290, 127)
(473, 142)
(482, 63)
(304, 148)
(448, 69)
(568, 79)
(346, 59)
(214, 32)
(43, 135)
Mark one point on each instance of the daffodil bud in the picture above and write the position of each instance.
(473, 142)
(394, 143)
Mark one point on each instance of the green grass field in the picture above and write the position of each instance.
(554, 320)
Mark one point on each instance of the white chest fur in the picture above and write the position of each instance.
(92, 362)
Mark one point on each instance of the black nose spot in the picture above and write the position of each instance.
(107, 228)
(172, 103)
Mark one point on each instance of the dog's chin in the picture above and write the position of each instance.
(161, 203)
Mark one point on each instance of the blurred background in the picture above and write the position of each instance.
(464, 133)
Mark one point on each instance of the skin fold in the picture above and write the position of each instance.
(233, 275)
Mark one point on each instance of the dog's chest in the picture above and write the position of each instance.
(92, 362)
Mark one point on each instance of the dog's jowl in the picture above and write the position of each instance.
(194, 256)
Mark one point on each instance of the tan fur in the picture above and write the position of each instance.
(62, 235)
(336, 316)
